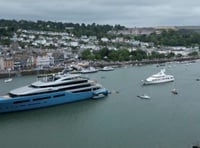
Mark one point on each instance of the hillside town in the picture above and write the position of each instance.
(30, 49)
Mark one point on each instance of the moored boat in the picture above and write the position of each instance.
(89, 70)
(159, 77)
(107, 68)
(8, 80)
(52, 90)
(144, 96)
(174, 91)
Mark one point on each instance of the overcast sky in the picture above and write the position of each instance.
(130, 13)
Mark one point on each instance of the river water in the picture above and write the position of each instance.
(121, 120)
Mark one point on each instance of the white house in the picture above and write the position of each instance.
(44, 61)
(104, 39)
(74, 44)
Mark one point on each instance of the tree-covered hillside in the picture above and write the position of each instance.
(7, 27)
(172, 38)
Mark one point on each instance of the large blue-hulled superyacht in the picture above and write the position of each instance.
(52, 90)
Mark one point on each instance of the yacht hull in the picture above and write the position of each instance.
(157, 82)
(42, 100)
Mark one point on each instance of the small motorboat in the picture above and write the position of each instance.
(101, 93)
(174, 91)
(195, 146)
(89, 70)
(107, 68)
(143, 96)
(8, 80)
(197, 79)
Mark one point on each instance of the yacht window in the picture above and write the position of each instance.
(60, 95)
(65, 79)
(56, 78)
(49, 79)
(82, 90)
(21, 101)
(80, 86)
(43, 98)
(33, 86)
(62, 84)
(96, 88)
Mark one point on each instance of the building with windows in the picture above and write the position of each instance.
(8, 64)
(44, 61)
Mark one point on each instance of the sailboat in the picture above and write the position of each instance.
(9, 78)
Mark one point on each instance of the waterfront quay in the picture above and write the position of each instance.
(29, 72)
(96, 64)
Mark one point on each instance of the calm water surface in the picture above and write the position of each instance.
(119, 121)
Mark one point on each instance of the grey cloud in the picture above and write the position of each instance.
(127, 12)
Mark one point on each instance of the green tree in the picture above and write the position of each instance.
(138, 55)
(170, 55)
(113, 55)
(123, 55)
(86, 54)
(194, 53)
(172, 38)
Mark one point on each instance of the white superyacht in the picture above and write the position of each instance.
(159, 77)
